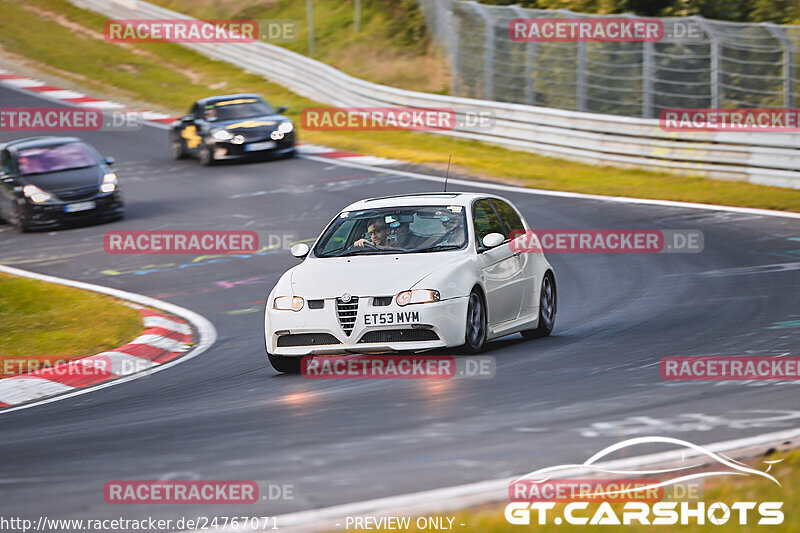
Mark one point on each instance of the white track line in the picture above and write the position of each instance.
(560, 194)
(206, 332)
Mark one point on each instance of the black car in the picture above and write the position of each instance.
(50, 181)
(232, 127)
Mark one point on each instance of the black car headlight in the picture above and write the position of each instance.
(222, 135)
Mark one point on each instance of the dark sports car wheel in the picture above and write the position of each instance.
(547, 309)
(19, 220)
(206, 155)
(178, 151)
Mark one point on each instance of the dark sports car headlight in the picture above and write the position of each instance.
(222, 135)
(285, 127)
(417, 296)
(35, 194)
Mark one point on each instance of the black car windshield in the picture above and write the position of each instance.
(237, 108)
(394, 230)
(54, 158)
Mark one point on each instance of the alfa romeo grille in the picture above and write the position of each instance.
(347, 313)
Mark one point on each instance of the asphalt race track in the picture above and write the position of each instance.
(227, 415)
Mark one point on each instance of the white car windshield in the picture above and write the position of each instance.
(394, 230)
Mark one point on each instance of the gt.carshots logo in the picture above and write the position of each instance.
(588, 500)
(180, 242)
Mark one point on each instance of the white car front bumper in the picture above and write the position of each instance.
(388, 328)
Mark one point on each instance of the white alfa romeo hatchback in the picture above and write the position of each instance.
(411, 273)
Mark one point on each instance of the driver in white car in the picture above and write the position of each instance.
(378, 232)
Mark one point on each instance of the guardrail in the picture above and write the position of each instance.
(757, 157)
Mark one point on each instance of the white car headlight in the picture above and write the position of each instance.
(285, 127)
(36, 194)
(222, 135)
(288, 303)
(109, 182)
(417, 296)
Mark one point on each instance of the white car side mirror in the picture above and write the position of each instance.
(299, 250)
(493, 239)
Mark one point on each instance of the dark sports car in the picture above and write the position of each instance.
(50, 181)
(231, 127)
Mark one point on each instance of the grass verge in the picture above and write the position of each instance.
(48, 322)
(727, 489)
(169, 77)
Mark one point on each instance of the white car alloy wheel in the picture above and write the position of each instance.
(547, 309)
(476, 324)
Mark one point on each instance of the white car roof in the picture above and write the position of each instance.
(437, 198)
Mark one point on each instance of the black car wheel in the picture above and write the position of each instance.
(286, 365)
(19, 219)
(206, 155)
(475, 332)
(547, 309)
(178, 152)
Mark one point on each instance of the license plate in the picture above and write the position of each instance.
(400, 317)
(259, 146)
(80, 206)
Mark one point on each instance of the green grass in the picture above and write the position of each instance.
(44, 321)
(392, 45)
(169, 77)
(728, 489)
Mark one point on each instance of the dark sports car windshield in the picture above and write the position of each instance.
(238, 108)
(54, 158)
(394, 230)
